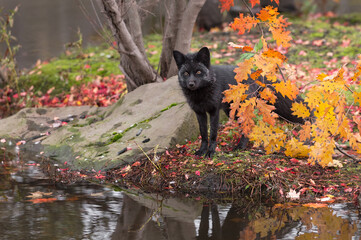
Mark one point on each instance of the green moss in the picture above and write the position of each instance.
(65, 71)
(169, 107)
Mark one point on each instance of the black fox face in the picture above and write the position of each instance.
(193, 69)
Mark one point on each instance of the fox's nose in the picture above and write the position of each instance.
(192, 84)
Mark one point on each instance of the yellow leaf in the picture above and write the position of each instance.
(269, 65)
(321, 152)
(295, 148)
(235, 95)
(357, 97)
(321, 76)
(300, 110)
(271, 137)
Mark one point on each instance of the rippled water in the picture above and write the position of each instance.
(33, 207)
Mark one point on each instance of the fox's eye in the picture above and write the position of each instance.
(198, 72)
(186, 74)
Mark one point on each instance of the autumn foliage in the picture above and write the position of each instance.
(326, 104)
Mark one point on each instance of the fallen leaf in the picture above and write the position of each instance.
(315, 205)
(293, 195)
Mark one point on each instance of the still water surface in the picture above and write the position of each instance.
(34, 207)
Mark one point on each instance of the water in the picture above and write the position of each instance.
(34, 207)
(43, 27)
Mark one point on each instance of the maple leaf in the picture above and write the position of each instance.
(295, 148)
(344, 128)
(293, 195)
(281, 36)
(357, 73)
(271, 137)
(256, 74)
(265, 111)
(300, 110)
(246, 114)
(268, 95)
(268, 65)
(357, 97)
(244, 69)
(287, 89)
(254, 2)
(39, 194)
(243, 24)
(235, 95)
(270, 53)
(321, 152)
(305, 132)
(226, 5)
(268, 13)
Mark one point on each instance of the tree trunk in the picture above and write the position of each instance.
(174, 10)
(125, 24)
(185, 31)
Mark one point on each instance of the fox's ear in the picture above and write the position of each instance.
(204, 56)
(179, 58)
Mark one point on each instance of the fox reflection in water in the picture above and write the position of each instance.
(138, 222)
(174, 219)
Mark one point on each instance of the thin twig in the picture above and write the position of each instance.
(346, 154)
(283, 76)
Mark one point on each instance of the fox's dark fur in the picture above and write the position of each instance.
(203, 87)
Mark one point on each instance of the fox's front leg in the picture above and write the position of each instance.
(214, 130)
(202, 121)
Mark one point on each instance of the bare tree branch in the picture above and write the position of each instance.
(130, 42)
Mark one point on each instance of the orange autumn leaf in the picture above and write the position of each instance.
(254, 2)
(287, 89)
(305, 132)
(246, 114)
(268, 13)
(256, 74)
(357, 73)
(235, 94)
(268, 95)
(243, 24)
(265, 111)
(270, 53)
(226, 5)
(281, 36)
(244, 69)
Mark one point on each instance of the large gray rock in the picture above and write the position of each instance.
(152, 115)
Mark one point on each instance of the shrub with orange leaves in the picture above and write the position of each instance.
(326, 99)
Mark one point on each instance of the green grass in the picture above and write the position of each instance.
(80, 66)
